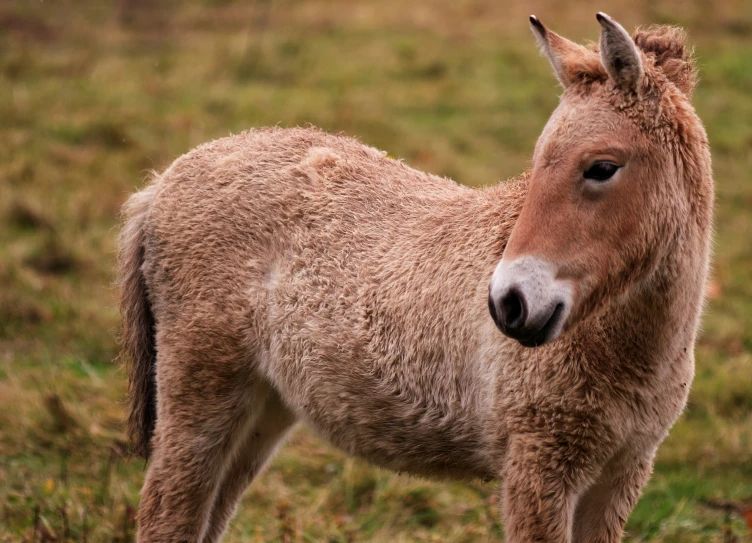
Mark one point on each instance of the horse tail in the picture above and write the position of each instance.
(138, 344)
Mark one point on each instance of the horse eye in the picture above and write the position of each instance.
(601, 171)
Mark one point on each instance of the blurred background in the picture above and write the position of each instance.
(94, 95)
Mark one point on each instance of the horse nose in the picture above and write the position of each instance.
(527, 301)
(511, 313)
(513, 310)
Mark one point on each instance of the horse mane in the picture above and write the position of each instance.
(666, 51)
(666, 47)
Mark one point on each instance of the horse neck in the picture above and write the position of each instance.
(654, 326)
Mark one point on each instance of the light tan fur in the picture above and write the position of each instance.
(293, 275)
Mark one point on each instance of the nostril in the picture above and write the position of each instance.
(513, 310)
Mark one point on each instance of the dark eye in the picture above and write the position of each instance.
(601, 171)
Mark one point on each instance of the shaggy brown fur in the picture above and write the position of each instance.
(294, 275)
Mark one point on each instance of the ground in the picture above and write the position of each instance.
(95, 95)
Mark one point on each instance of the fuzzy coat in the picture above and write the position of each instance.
(287, 275)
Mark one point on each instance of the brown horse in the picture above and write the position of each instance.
(290, 275)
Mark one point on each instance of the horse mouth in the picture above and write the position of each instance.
(547, 332)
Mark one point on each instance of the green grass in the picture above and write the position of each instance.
(92, 98)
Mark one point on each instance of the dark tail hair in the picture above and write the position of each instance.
(138, 345)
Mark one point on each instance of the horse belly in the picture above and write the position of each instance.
(349, 404)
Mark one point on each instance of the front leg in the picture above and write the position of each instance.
(602, 511)
(541, 481)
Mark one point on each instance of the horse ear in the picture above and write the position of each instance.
(619, 54)
(563, 54)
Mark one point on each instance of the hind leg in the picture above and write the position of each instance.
(260, 444)
(208, 397)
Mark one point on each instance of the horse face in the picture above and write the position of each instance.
(590, 227)
(581, 227)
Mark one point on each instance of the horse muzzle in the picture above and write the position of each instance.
(527, 302)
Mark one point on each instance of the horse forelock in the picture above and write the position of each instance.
(667, 59)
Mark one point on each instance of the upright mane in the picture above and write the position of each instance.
(666, 48)
(667, 56)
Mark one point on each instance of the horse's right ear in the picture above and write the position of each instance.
(565, 56)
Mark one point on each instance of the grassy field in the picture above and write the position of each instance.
(93, 96)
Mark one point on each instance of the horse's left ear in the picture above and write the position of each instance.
(619, 54)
